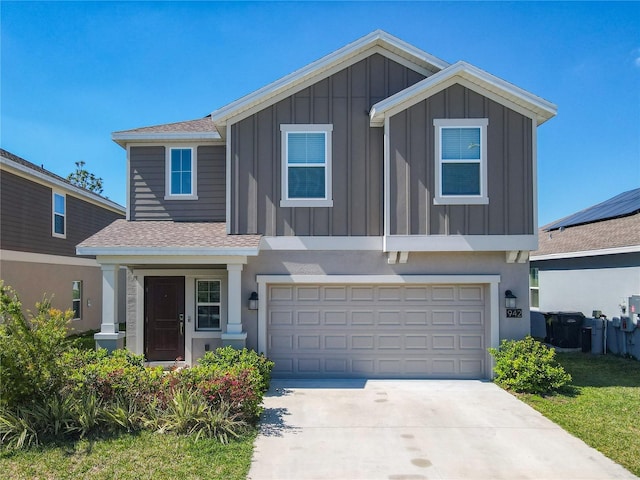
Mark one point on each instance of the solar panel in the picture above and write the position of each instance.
(621, 205)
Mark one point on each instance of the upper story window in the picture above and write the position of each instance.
(306, 166)
(59, 215)
(461, 161)
(181, 175)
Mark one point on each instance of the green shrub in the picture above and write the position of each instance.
(528, 366)
(118, 376)
(30, 349)
(229, 357)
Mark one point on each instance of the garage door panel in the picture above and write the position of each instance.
(359, 294)
(471, 317)
(335, 342)
(277, 317)
(471, 293)
(362, 342)
(471, 342)
(362, 317)
(420, 317)
(389, 317)
(417, 331)
(305, 294)
(334, 294)
(308, 317)
(443, 342)
(390, 342)
(444, 317)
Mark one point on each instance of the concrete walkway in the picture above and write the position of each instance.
(413, 430)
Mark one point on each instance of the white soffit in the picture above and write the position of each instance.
(378, 41)
(540, 108)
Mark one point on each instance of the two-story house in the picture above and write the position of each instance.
(42, 218)
(363, 216)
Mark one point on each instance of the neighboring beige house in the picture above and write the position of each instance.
(42, 218)
(363, 216)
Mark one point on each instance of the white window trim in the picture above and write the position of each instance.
(327, 201)
(439, 198)
(197, 303)
(53, 214)
(194, 174)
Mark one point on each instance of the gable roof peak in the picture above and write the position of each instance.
(384, 42)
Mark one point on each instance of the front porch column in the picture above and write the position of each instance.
(234, 335)
(109, 336)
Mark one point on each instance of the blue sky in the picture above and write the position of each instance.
(73, 72)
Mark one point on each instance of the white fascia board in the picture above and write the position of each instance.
(44, 179)
(123, 139)
(588, 253)
(542, 109)
(166, 252)
(460, 243)
(421, 59)
(321, 243)
(379, 279)
(181, 260)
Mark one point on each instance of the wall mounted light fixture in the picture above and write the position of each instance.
(253, 301)
(509, 299)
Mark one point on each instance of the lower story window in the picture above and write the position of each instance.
(534, 287)
(208, 304)
(76, 302)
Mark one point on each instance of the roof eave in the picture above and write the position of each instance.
(123, 139)
(168, 251)
(540, 108)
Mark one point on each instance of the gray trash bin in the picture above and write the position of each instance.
(597, 336)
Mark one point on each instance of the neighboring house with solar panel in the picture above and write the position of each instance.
(363, 216)
(589, 260)
(42, 218)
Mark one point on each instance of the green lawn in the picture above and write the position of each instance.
(602, 407)
(143, 456)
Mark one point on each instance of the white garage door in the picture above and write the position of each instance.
(385, 331)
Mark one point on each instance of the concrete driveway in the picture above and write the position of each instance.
(412, 430)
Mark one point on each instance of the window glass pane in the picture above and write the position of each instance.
(76, 294)
(185, 184)
(175, 183)
(58, 224)
(461, 143)
(208, 316)
(535, 298)
(58, 204)
(306, 148)
(461, 179)
(175, 161)
(186, 160)
(208, 291)
(533, 277)
(306, 182)
(180, 171)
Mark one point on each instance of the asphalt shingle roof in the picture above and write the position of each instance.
(190, 126)
(169, 235)
(614, 233)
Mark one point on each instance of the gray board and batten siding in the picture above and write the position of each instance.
(26, 218)
(344, 100)
(147, 177)
(509, 175)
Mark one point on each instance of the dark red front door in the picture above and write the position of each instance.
(164, 318)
